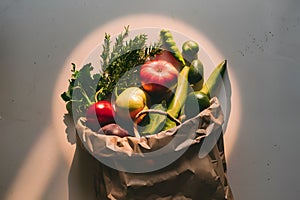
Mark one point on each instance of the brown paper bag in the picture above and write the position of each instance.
(186, 162)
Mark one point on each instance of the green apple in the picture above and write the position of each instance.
(130, 102)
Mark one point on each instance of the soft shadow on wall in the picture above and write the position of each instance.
(64, 153)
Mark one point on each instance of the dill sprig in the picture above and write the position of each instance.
(124, 56)
(105, 52)
(118, 46)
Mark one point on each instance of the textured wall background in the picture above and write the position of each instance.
(259, 38)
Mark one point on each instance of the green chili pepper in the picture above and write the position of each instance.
(213, 83)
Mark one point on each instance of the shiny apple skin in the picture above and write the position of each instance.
(100, 114)
(158, 76)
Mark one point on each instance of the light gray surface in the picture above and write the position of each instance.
(259, 38)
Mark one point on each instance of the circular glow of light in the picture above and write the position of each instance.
(114, 27)
(41, 179)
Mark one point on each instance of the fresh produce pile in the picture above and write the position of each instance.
(141, 89)
(151, 118)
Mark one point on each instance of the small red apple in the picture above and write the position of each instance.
(99, 114)
(158, 76)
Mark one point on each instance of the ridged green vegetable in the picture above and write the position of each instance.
(169, 44)
(213, 83)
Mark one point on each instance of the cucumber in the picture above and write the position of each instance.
(194, 98)
(196, 72)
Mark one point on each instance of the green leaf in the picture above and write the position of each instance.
(81, 89)
(116, 59)
(155, 118)
(65, 96)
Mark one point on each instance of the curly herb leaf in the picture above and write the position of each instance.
(81, 89)
(85, 88)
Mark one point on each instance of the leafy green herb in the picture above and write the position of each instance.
(124, 56)
(106, 49)
(80, 91)
(85, 88)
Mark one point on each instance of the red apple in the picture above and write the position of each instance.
(158, 76)
(99, 114)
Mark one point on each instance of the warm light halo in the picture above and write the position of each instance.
(138, 21)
